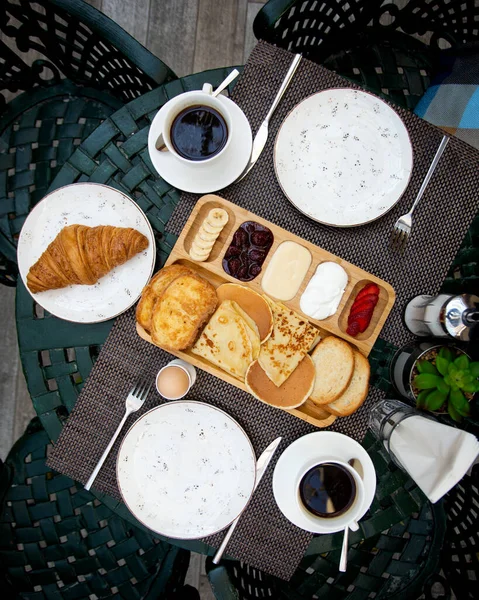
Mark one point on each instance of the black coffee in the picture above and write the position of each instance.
(327, 490)
(198, 132)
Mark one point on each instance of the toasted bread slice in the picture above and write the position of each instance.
(154, 290)
(334, 362)
(183, 308)
(357, 390)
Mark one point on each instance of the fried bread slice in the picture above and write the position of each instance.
(179, 313)
(154, 290)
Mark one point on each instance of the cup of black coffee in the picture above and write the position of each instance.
(333, 492)
(197, 127)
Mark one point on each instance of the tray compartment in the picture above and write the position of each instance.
(219, 245)
(379, 309)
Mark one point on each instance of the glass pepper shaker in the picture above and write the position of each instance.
(444, 315)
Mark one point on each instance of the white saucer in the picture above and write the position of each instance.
(208, 177)
(300, 454)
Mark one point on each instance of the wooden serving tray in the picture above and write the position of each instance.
(212, 270)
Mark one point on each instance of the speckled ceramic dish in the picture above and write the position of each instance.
(87, 204)
(186, 469)
(343, 157)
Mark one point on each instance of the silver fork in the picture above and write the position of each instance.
(134, 402)
(403, 226)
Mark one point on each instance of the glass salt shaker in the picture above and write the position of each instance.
(444, 315)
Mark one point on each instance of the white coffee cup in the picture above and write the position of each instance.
(199, 97)
(347, 519)
(186, 368)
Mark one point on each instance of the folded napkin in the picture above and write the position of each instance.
(436, 456)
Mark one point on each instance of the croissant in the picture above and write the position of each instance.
(81, 255)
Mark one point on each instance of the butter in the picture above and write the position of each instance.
(324, 291)
(286, 270)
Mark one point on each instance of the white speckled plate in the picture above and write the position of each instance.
(303, 453)
(343, 157)
(186, 469)
(87, 204)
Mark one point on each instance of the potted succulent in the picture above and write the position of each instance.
(444, 379)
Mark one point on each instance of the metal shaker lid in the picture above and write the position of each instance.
(461, 317)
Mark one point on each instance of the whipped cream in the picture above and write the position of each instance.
(324, 291)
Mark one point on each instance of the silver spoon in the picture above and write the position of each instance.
(356, 464)
(160, 143)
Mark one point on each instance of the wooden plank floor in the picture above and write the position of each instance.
(188, 35)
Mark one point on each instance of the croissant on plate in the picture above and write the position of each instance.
(81, 255)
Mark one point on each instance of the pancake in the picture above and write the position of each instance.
(252, 328)
(226, 341)
(291, 339)
(252, 303)
(294, 391)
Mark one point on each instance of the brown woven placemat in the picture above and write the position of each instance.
(440, 221)
(264, 538)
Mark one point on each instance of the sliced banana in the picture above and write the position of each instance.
(208, 233)
(201, 249)
(201, 246)
(198, 257)
(211, 228)
(207, 237)
(217, 217)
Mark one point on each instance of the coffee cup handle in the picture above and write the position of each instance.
(207, 89)
(353, 526)
(160, 144)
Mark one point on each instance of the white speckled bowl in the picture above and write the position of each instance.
(186, 469)
(87, 204)
(343, 157)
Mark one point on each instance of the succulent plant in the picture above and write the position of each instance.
(447, 381)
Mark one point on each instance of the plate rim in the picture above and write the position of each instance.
(216, 189)
(186, 401)
(372, 484)
(314, 218)
(153, 241)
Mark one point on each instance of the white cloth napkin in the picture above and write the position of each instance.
(435, 456)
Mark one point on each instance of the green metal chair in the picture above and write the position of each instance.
(403, 562)
(371, 41)
(395, 564)
(58, 542)
(85, 68)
